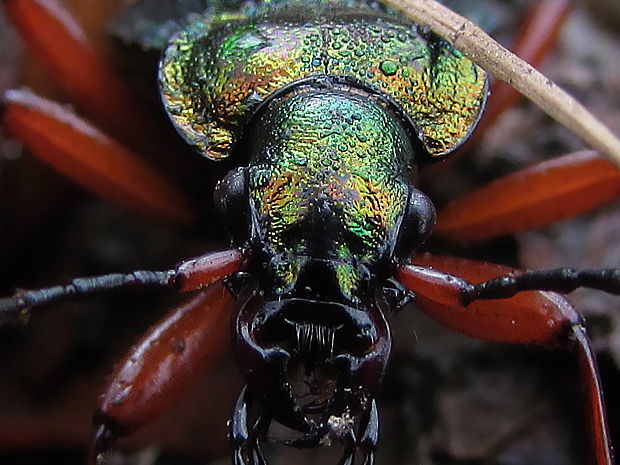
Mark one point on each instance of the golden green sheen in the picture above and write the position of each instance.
(329, 180)
(219, 70)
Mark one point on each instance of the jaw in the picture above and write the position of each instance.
(313, 365)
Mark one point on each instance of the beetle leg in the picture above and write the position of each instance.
(535, 39)
(164, 365)
(77, 67)
(81, 152)
(443, 287)
(350, 448)
(563, 280)
(259, 433)
(241, 437)
(591, 385)
(189, 275)
(239, 433)
(538, 317)
(370, 435)
(531, 198)
(367, 443)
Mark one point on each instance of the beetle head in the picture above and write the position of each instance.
(310, 362)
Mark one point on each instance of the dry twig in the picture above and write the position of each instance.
(504, 65)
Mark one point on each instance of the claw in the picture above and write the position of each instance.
(369, 458)
(257, 455)
(238, 458)
(103, 438)
(349, 457)
(254, 453)
(368, 443)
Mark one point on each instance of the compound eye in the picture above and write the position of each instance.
(232, 202)
(418, 222)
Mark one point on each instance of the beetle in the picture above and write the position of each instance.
(296, 331)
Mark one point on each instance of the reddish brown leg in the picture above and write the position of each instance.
(81, 152)
(78, 68)
(184, 345)
(591, 382)
(189, 275)
(543, 318)
(531, 198)
(169, 360)
(536, 38)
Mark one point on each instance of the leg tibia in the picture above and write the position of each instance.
(538, 317)
(531, 198)
(171, 358)
(595, 405)
(443, 287)
(189, 275)
(84, 154)
(76, 66)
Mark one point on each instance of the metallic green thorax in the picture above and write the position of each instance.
(331, 99)
(220, 68)
(327, 182)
